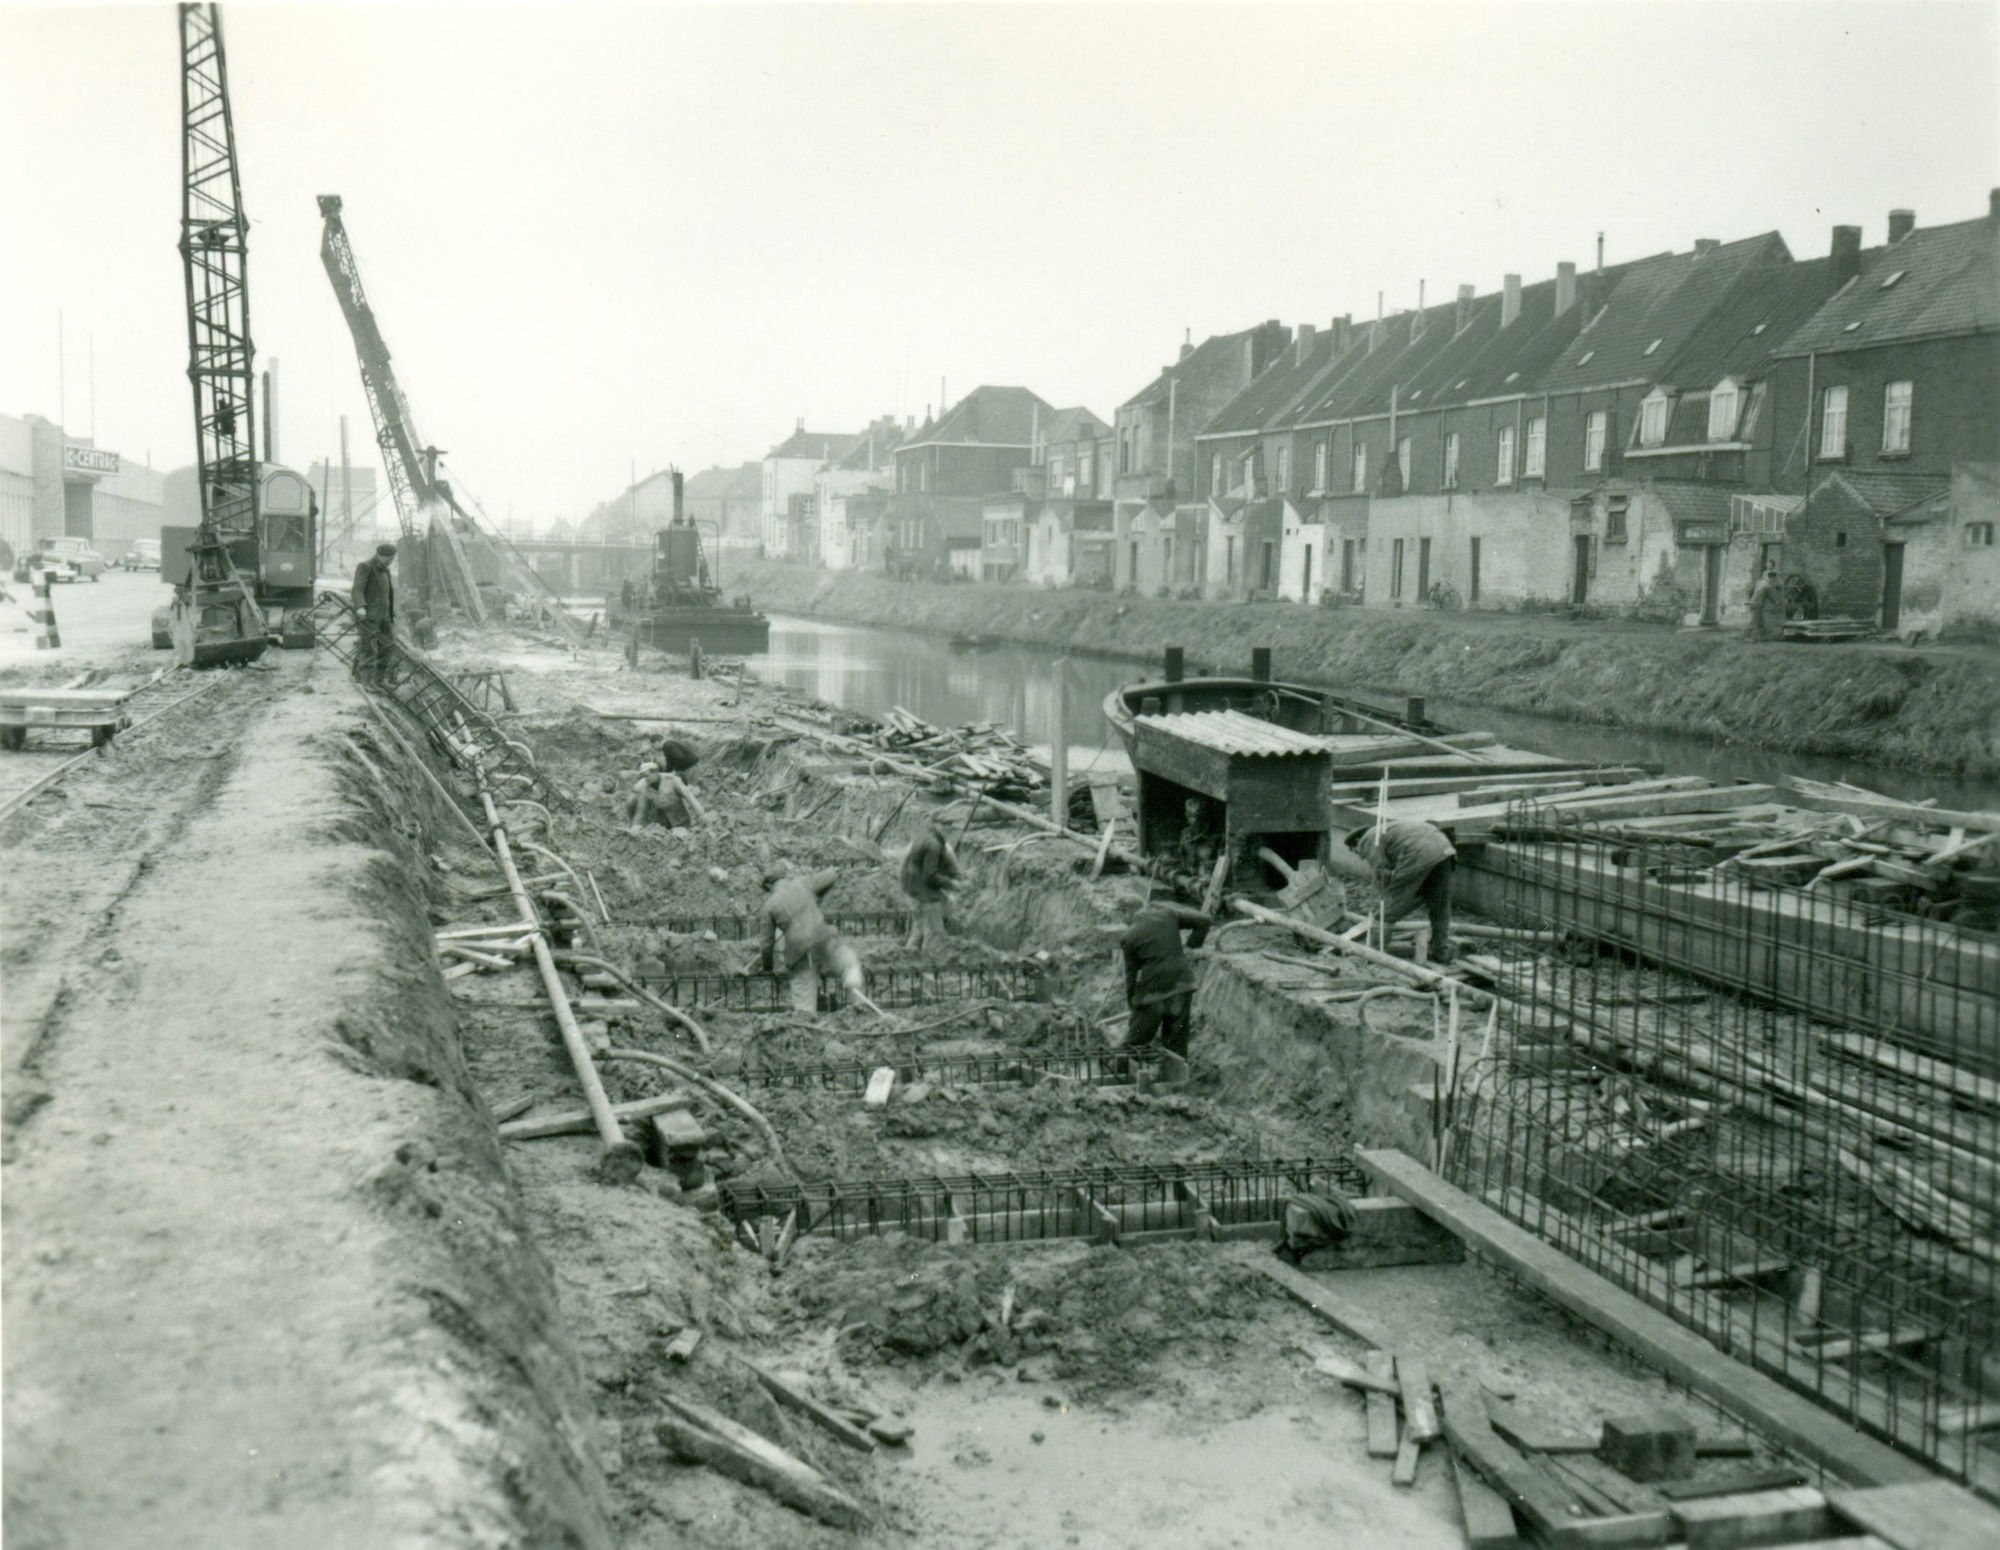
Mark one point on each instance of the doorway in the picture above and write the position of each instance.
(1423, 568)
(1711, 585)
(1306, 586)
(1579, 590)
(1892, 586)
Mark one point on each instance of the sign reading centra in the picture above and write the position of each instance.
(89, 460)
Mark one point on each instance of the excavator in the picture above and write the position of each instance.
(244, 574)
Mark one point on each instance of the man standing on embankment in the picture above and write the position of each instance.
(374, 600)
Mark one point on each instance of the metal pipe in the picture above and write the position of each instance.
(620, 1161)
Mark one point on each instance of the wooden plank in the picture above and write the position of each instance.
(579, 1121)
(1715, 799)
(1827, 800)
(1419, 1410)
(1343, 1371)
(700, 1434)
(1689, 1360)
(1485, 1513)
(1408, 1451)
(810, 1408)
(1322, 1300)
(1525, 1432)
(1755, 1518)
(1382, 1441)
(1548, 1510)
(1626, 1494)
(1738, 1483)
(1923, 1515)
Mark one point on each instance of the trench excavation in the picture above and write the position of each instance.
(869, 1236)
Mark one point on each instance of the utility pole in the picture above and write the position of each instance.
(1059, 747)
(346, 487)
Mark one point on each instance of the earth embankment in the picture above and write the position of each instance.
(1934, 708)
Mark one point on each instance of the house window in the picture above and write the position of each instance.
(1403, 460)
(1614, 519)
(1347, 565)
(1536, 452)
(1125, 451)
(1451, 460)
(1396, 568)
(1896, 417)
(1653, 420)
(1361, 468)
(1229, 558)
(1284, 467)
(1594, 426)
(1215, 474)
(1979, 535)
(1503, 471)
(1319, 465)
(1722, 412)
(1833, 423)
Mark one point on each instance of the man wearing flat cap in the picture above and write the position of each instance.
(374, 599)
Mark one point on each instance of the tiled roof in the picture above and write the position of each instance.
(1275, 390)
(1738, 338)
(877, 442)
(1232, 732)
(1664, 299)
(710, 483)
(1693, 502)
(1890, 494)
(1950, 283)
(1074, 424)
(994, 416)
(1218, 355)
(817, 445)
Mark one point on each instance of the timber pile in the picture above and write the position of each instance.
(983, 753)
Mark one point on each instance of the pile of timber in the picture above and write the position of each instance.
(984, 753)
(1801, 832)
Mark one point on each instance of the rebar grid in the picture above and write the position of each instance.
(886, 987)
(1113, 1202)
(1769, 1112)
(1013, 1068)
(741, 928)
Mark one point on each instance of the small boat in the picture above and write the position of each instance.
(1296, 707)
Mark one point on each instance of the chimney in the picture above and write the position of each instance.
(1993, 204)
(1846, 253)
(1591, 294)
(1901, 224)
(1565, 287)
(799, 424)
(1705, 245)
(1462, 312)
(1600, 252)
(1307, 332)
(1249, 356)
(1417, 319)
(1187, 343)
(1510, 299)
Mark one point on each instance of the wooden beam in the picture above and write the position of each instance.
(1382, 1442)
(1419, 1410)
(1689, 1360)
(1547, 1509)
(1920, 1516)
(1322, 1300)
(703, 1436)
(1755, 1518)
(1485, 1513)
(1828, 800)
(810, 1408)
(580, 1121)
(1344, 1371)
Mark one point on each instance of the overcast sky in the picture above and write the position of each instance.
(665, 233)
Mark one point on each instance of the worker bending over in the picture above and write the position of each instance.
(374, 600)
(812, 947)
(930, 873)
(662, 797)
(1410, 863)
(1159, 981)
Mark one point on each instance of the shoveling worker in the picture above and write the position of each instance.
(930, 873)
(1159, 981)
(812, 947)
(663, 796)
(1410, 863)
(374, 600)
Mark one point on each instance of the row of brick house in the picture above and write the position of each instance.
(1643, 437)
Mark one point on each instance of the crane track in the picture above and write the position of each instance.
(27, 773)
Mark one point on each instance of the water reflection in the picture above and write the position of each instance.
(874, 670)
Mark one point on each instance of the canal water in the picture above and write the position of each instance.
(873, 670)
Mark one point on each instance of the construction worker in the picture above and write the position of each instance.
(374, 600)
(1410, 863)
(662, 795)
(930, 873)
(812, 947)
(1767, 605)
(1159, 982)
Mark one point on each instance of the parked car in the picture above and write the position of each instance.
(143, 555)
(54, 568)
(77, 553)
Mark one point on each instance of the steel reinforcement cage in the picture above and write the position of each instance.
(1772, 1112)
(1113, 1202)
(741, 928)
(886, 987)
(1022, 1068)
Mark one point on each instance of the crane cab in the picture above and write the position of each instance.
(286, 513)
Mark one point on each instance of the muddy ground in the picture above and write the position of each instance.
(271, 1280)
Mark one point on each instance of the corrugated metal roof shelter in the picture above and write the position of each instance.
(1228, 779)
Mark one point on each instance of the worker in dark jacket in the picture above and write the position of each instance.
(930, 873)
(1159, 982)
(1410, 863)
(374, 599)
(812, 946)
